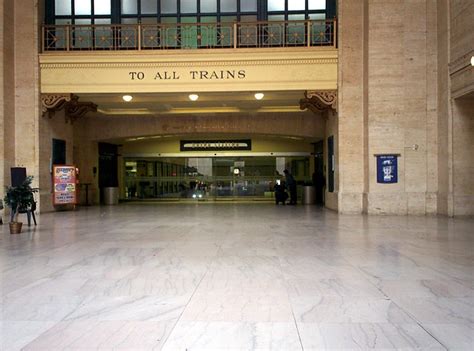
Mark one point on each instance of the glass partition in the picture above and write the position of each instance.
(209, 177)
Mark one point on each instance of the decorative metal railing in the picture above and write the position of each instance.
(190, 36)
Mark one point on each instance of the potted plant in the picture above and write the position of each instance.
(19, 198)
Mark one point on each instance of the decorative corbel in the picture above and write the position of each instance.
(73, 108)
(318, 101)
(76, 109)
(50, 103)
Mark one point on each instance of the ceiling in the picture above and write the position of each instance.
(175, 103)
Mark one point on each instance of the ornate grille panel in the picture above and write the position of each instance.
(308, 33)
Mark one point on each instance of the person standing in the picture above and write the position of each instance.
(319, 182)
(291, 183)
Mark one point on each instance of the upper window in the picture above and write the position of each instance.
(78, 11)
(297, 9)
(187, 11)
(166, 11)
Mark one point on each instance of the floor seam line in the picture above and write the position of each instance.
(184, 309)
(419, 324)
(291, 306)
(364, 274)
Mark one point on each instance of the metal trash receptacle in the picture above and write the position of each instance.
(111, 196)
(309, 195)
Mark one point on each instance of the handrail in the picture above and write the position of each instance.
(170, 36)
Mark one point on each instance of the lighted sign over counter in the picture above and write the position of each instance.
(215, 145)
(64, 182)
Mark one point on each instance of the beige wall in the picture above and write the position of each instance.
(455, 107)
(463, 156)
(351, 114)
(25, 136)
(19, 109)
(304, 124)
(444, 205)
(52, 128)
(461, 46)
(7, 134)
(298, 69)
(394, 94)
(7, 81)
(399, 103)
(402, 80)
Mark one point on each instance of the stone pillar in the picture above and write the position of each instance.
(351, 145)
(463, 159)
(27, 107)
(444, 205)
(7, 94)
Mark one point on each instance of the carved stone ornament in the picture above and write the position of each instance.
(54, 102)
(318, 101)
(73, 108)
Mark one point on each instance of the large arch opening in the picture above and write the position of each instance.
(222, 146)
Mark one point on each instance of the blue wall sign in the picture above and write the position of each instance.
(387, 169)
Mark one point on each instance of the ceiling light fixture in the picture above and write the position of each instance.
(472, 61)
(259, 96)
(193, 97)
(127, 98)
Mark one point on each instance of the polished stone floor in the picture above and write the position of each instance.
(236, 276)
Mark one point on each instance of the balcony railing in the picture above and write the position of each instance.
(189, 36)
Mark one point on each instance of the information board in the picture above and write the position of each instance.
(387, 169)
(64, 183)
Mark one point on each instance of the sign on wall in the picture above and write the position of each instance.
(195, 71)
(387, 169)
(215, 145)
(64, 183)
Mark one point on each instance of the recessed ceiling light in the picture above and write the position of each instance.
(259, 96)
(193, 97)
(127, 98)
(472, 61)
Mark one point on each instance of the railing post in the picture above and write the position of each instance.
(139, 35)
(334, 32)
(43, 38)
(308, 33)
(235, 34)
(68, 37)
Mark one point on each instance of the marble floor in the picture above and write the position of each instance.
(236, 276)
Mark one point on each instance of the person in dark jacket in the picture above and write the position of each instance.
(291, 184)
(280, 193)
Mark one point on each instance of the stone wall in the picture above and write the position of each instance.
(463, 156)
(7, 81)
(455, 107)
(351, 110)
(444, 205)
(403, 81)
(388, 104)
(26, 86)
(461, 49)
(52, 128)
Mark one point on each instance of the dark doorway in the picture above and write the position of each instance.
(319, 179)
(59, 152)
(108, 167)
(331, 164)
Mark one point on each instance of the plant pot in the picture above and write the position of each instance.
(15, 227)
